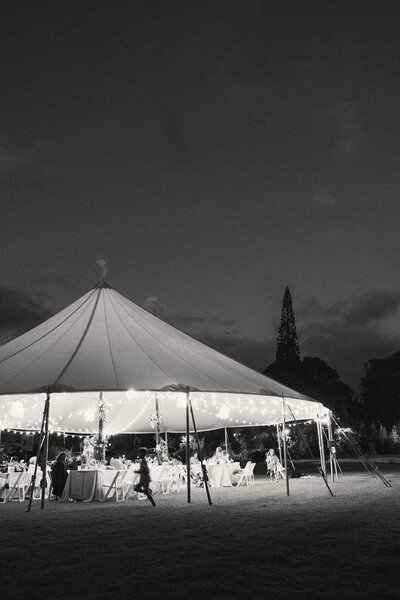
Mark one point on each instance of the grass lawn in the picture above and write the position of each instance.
(254, 542)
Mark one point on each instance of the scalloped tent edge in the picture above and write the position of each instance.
(104, 345)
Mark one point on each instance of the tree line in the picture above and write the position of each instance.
(375, 409)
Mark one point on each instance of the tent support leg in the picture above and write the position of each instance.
(166, 442)
(203, 466)
(187, 449)
(41, 439)
(278, 435)
(284, 443)
(321, 441)
(158, 433)
(321, 472)
(331, 457)
(226, 440)
(46, 451)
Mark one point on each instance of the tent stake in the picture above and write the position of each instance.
(284, 442)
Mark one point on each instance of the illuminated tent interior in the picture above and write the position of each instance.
(104, 349)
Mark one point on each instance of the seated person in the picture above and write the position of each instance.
(219, 456)
(116, 463)
(16, 466)
(174, 459)
(194, 459)
(31, 466)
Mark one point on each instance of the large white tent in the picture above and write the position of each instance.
(105, 345)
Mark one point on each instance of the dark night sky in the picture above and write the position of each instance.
(213, 152)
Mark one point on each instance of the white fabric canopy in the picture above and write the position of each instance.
(105, 343)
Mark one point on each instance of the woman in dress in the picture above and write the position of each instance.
(59, 475)
(274, 467)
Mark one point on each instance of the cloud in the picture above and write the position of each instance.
(19, 313)
(376, 305)
(347, 335)
(50, 279)
(223, 335)
(201, 327)
(155, 306)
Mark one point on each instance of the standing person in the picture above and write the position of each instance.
(274, 467)
(144, 481)
(59, 475)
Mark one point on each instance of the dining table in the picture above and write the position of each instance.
(219, 474)
(91, 485)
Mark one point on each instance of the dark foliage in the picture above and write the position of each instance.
(316, 379)
(287, 347)
(380, 391)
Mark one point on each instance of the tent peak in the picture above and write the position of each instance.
(103, 284)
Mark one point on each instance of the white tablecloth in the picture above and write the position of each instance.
(218, 475)
(90, 485)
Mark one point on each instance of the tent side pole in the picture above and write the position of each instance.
(321, 441)
(284, 443)
(200, 453)
(226, 440)
(187, 449)
(40, 443)
(158, 432)
(46, 451)
(279, 442)
(330, 438)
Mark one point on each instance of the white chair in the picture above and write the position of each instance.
(116, 487)
(171, 479)
(3, 487)
(16, 486)
(37, 491)
(159, 483)
(129, 481)
(246, 477)
(277, 472)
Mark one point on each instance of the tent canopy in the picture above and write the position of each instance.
(105, 343)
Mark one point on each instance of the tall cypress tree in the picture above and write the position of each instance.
(287, 348)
